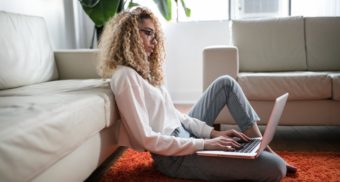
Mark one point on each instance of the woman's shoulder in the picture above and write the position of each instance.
(123, 70)
(123, 76)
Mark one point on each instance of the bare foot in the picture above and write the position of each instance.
(254, 131)
(291, 169)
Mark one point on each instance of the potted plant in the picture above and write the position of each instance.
(100, 11)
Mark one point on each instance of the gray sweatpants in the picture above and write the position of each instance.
(223, 91)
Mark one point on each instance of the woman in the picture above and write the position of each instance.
(132, 54)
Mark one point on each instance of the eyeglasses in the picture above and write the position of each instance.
(149, 33)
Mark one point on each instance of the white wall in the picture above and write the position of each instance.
(185, 42)
(60, 18)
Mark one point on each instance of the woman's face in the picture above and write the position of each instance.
(147, 32)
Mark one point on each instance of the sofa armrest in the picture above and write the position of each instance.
(218, 61)
(76, 63)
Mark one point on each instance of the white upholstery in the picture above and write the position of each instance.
(82, 160)
(323, 43)
(49, 124)
(225, 60)
(50, 130)
(336, 85)
(97, 87)
(261, 49)
(291, 54)
(305, 112)
(76, 64)
(26, 56)
(300, 85)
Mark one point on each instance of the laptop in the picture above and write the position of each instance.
(253, 149)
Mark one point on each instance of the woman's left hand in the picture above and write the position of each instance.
(230, 134)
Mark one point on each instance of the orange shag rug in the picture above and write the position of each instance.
(312, 166)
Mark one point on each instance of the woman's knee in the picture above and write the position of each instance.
(225, 80)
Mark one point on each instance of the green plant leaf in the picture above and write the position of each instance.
(165, 8)
(89, 3)
(102, 11)
(132, 4)
(186, 9)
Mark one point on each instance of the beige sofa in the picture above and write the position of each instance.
(299, 55)
(56, 115)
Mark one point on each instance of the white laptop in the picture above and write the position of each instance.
(254, 148)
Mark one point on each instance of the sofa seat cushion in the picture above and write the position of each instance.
(49, 124)
(88, 86)
(300, 85)
(336, 85)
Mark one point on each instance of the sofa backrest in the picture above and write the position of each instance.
(276, 44)
(26, 55)
(323, 43)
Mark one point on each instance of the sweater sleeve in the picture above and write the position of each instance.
(134, 115)
(195, 126)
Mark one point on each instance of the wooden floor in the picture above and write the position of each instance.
(298, 138)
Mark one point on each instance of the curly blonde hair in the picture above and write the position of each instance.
(121, 44)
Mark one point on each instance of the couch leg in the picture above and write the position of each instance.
(217, 127)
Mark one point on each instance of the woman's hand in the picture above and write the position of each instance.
(225, 140)
(230, 134)
(221, 143)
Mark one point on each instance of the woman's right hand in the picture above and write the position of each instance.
(221, 143)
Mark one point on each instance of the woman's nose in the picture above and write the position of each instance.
(154, 41)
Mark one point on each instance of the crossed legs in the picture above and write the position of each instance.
(226, 91)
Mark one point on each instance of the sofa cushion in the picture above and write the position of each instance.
(300, 85)
(49, 124)
(26, 56)
(323, 43)
(88, 86)
(336, 85)
(270, 44)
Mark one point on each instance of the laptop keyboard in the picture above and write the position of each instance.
(248, 147)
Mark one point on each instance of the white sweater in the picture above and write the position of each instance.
(148, 117)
